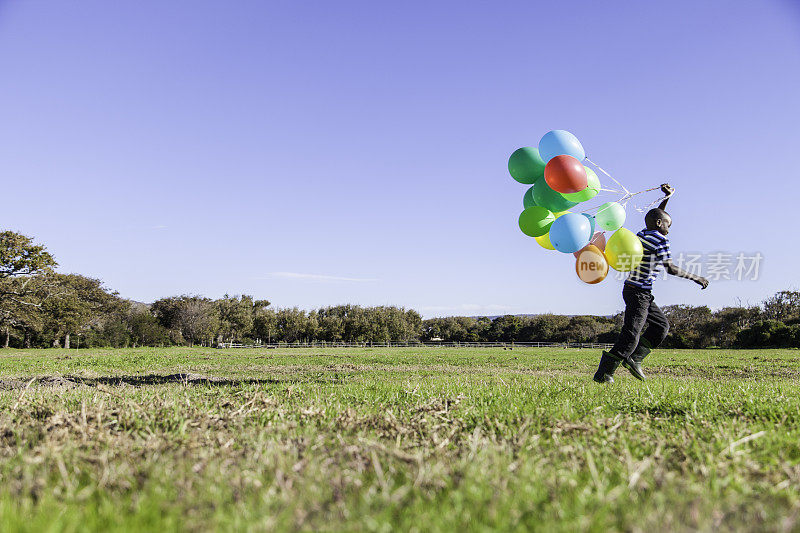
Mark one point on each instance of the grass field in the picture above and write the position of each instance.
(385, 439)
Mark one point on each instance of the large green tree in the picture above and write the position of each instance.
(76, 303)
(144, 328)
(21, 257)
(22, 314)
(291, 324)
(23, 264)
(783, 306)
(190, 319)
(237, 315)
(265, 325)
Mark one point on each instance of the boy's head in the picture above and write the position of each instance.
(659, 220)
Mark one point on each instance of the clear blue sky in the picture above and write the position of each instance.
(316, 153)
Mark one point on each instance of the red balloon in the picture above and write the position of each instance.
(565, 174)
(598, 239)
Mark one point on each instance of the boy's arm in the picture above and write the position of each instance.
(667, 189)
(675, 270)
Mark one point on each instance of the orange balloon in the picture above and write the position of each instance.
(599, 240)
(591, 265)
(565, 174)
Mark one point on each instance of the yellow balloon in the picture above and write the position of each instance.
(624, 250)
(544, 240)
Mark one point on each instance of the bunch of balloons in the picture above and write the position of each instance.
(560, 181)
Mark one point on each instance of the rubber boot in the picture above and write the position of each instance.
(628, 362)
(642, 350)
(608, 365)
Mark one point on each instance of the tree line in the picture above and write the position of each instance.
(775, 323)
(40, 307)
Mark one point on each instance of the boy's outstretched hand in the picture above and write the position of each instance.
(667, 189)
(675, 270)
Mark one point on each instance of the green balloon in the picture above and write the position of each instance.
(525, 165)
(546, 197)
(589, 192)
(535, 221)
(527, 200)
(610, 216)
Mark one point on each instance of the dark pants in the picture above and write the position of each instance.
(640, 310)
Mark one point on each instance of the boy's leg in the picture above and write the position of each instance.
(636, 309)
(654, 334)
(637, 305)
(657, 325)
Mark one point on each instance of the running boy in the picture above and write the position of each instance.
(633, 345)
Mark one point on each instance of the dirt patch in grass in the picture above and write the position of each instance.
(46, 381)
(70, 382)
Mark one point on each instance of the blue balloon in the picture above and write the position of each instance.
(570, 232)
(591, 221)
(560, 142)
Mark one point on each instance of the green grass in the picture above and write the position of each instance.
(397, 439)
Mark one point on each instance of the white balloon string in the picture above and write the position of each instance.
(626, 194)
(596, 208)
(648, 206)
(624, 199)
(654, 202)
(607, 174)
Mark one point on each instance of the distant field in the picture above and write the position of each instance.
(414, 439)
